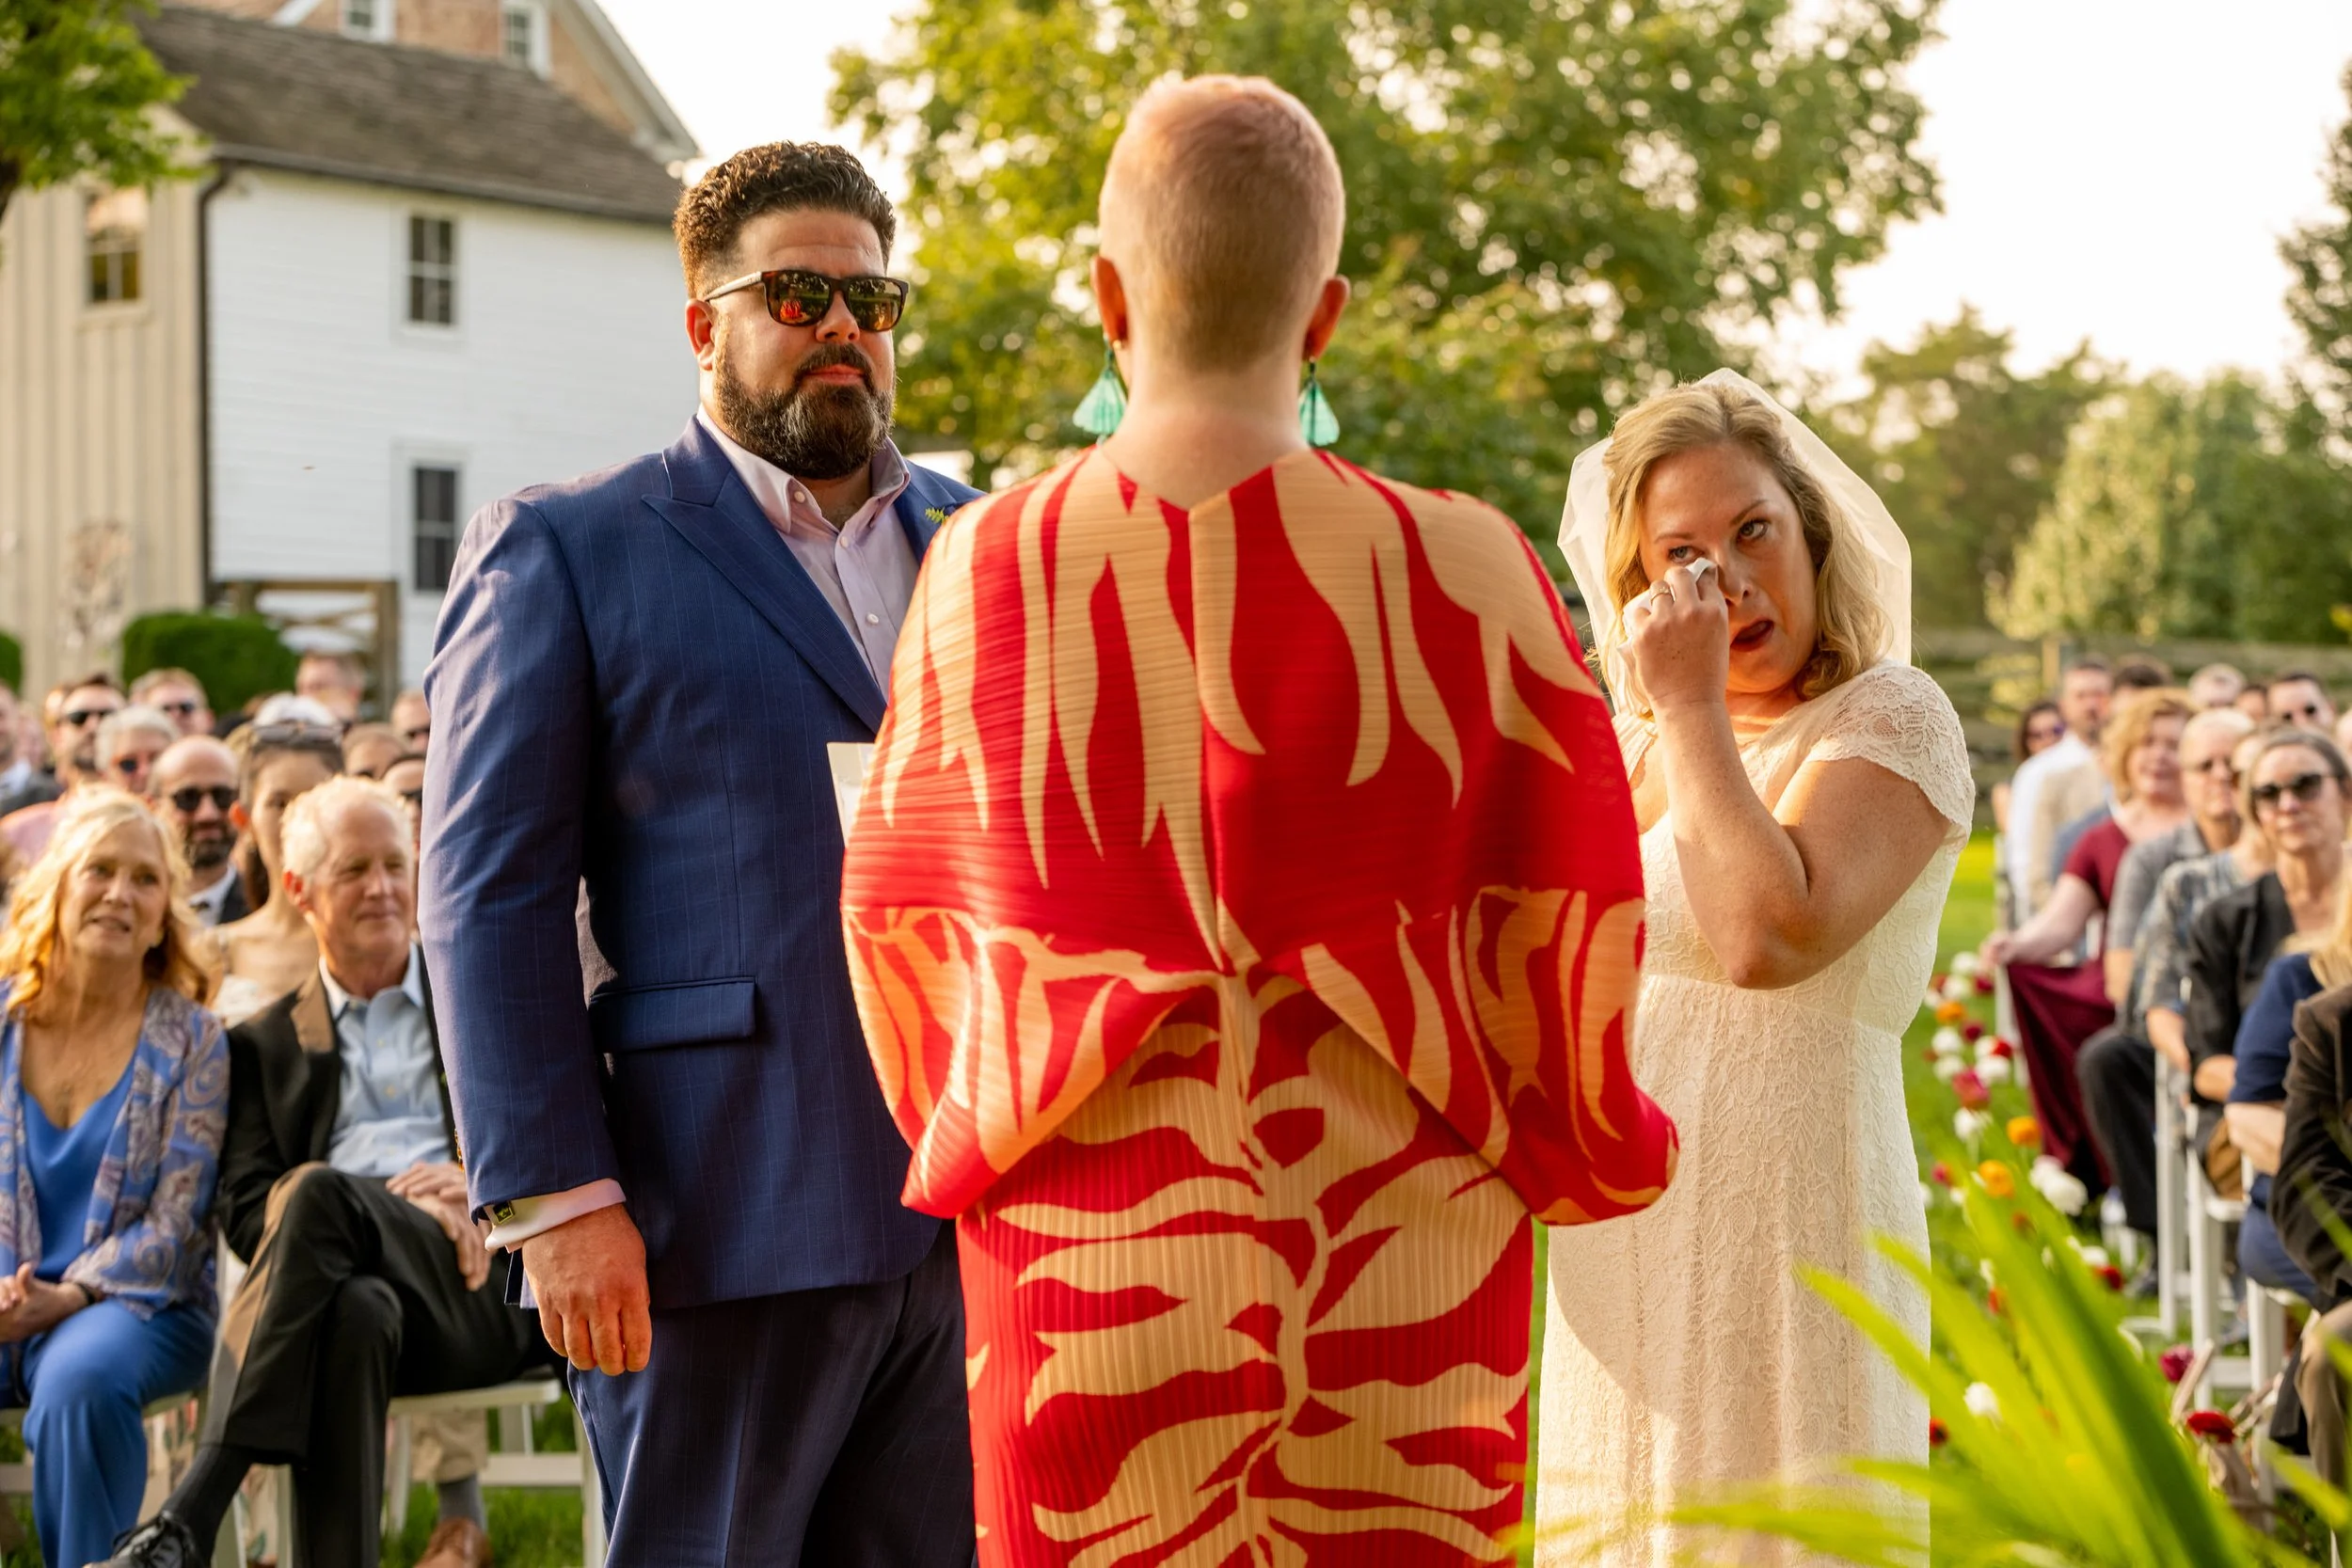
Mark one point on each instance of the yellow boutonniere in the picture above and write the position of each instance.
(937, 514)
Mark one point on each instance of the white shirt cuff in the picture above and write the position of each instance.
(513, 1223)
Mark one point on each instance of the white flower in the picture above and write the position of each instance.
(1934, 999)
(1967, 1124)
(1949, 1067)
(2064, 1190)
(2092, 1257)
(1957, 987)
(1927, 1195)
(1984, 1271)
(1949, 1042)
(1983, 1402)
(1993, 1068)
(1964, 962)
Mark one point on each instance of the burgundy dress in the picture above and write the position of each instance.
(2060, 1008)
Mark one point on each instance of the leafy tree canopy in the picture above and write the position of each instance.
(75, 86)
(1965, 452)
(1551, 208)
(2319, 299)
(2188, 510)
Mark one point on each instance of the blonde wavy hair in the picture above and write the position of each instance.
(2128, 728)
(1852, 633)
(28, 943)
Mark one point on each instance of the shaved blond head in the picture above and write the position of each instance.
(1222, 210)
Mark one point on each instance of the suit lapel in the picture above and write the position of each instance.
(919, 511)
(711, 511)
(319, 1088)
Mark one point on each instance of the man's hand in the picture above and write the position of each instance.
(456, 1223)
(443, 1181)
(588, 1275)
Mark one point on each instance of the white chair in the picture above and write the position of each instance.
(2209, 1212)
(2172, 1219)
(517, 1466)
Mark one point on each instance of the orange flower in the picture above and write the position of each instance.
(1996, 1179)
(2025, 1132)
(1951, 1012)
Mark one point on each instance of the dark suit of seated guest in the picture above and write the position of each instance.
(2313, 1185)
(340, 1185)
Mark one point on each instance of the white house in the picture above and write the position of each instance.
(407, 280)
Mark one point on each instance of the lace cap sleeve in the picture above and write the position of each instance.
(1897, 717)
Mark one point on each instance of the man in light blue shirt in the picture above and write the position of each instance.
(388, 1116)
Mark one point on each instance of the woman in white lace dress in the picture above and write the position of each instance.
(1803, 794)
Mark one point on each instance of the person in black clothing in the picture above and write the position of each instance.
(2313, 1187)
(339, 1182)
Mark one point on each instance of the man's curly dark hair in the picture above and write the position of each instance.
(778, 176)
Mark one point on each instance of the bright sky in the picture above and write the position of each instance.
(2115, 169)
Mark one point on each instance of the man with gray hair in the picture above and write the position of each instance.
(129, 741)
(339, 1186)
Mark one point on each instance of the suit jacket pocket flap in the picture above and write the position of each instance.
(643, 1017)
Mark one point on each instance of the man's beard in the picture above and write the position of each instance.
(207, 851)
(816, 430)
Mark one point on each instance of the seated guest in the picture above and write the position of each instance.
(129, 741)
(2344, 731)
(2257, 1109)
(71, 714)
(405, 778)
(2254, 702)
(2059, 1007)
(412, 720)
(339, 1186)
(2295, 792)
(270, 952)
(23, 781)
(2312, 1192)
(2136, 674)
(196, 793)
(114, 1087)
(2116, 1067)
(2297, 697)
(177, 695)
(335, 681)
(2039, 728)
(2085, 693)
(2217, 686)
(370, 749)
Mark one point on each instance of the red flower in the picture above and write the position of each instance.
(2212, 1425)
(2174, 1363)
(1997, 1301)
(1970, 1088)
(1937, 1436)
(1941, 1174)
(2004, 1050)
(1984, 985)
(1971, 1031)
(2109, 1275)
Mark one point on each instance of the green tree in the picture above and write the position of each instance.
(2319, 299)
(76, 87)
(1965, 452)
(1551, 209)
(2187, 510)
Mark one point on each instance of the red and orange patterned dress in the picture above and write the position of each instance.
(1245, 908)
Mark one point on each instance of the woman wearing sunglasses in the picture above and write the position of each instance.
(2293, 792)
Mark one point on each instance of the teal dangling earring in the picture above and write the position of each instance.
(1106, 403)
(1316, 422)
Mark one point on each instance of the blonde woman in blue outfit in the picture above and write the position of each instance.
(114, 1093)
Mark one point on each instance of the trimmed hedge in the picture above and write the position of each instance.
(236, 657)
(11, 663)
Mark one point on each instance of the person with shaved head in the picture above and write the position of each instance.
(1241, 820)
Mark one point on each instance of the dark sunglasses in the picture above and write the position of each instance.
(2303, 787)
(185, 801)
(293, 733)
(179, 709)
(799, 298)
(80, 717)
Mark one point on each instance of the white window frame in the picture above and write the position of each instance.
(540, 60)
(379, 25)
(411, 462)
(140, 250)
(409, 268)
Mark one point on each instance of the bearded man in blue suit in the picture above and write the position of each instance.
(666, 1106)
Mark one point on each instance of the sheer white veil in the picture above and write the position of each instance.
(1585, 537)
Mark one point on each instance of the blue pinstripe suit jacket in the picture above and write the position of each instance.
(632, 684)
